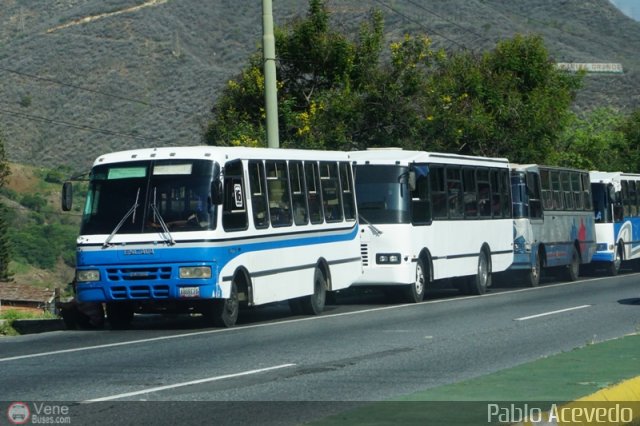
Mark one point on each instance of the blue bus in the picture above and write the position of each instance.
(616, 204)
(208, 229)
(553, 223)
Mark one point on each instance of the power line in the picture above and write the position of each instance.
(86, 89)
(74, 125)
(408, 18)
(420, 6)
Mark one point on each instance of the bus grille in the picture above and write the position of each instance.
(139, 274)
(140, 292)
(364, 252)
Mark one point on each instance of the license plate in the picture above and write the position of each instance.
(189, 291)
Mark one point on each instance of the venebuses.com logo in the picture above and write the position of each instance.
(18, 413)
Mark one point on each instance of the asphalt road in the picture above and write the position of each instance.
(361, 349)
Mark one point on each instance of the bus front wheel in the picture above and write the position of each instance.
(614, 267)
(532, 276)
(478, 283)
(119, 315)
(223, 312)
(414, 293)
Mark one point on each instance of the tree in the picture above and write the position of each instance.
(336, 93)
(5, 246)
(509, 102)
(320, 75)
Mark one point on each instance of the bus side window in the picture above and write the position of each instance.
(298, 191)
(421, 201)
(278, 193)
(330, 191)
(470, 196)
(234, 213)
(258, 195)
(454, 192)
(438, 192)
(348, 195)
(314, 199)
(586, 194)
(547, 194)
(533, 188)
(484, 193)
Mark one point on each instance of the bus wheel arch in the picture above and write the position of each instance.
(242, 278)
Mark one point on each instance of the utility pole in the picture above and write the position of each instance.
(270, 85)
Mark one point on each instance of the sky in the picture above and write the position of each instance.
(629, 7)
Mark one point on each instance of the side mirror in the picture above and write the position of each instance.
(411, 180)
(67, 196)
(612, 193)
(216, 192)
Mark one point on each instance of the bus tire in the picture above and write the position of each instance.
(613, 268)
(478, 283)
(224, 312)
(314, 303)
(573, 268)
(120, 315)
(532, 276)
(414, 293)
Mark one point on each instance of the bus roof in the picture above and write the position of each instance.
(609, 177)
(516, 166)
(389, 156)
(220, 154)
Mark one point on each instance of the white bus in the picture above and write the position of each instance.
(428, 216)
(616, 203)
(207, 229)
(553, 220)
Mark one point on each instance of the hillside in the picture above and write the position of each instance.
(82, 77)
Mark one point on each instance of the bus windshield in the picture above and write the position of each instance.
(383, 194)
(136, 197)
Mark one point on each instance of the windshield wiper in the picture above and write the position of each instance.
(163, 224)
(375, 231)
(132, 211)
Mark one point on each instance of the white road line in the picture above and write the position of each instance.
(190, 383)
(284, 322)
(552, 313)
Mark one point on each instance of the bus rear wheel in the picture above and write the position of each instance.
(478, 283)
(573, 268)
(223, 312)
(314, 303)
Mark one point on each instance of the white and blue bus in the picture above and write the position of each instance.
(553, 220)
(208, 229)
(616, 204)
(427, 216)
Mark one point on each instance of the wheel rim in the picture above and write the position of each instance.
(617, 261)
(419, 284)
(483, 270)
(231, 304)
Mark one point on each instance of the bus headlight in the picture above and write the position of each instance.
(87, 275)
(187, 272)
(388, 258)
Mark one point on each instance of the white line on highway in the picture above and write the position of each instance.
(190, 383)
(312, 318)
(551, 313)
